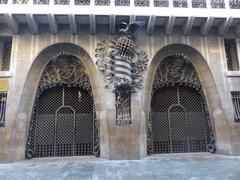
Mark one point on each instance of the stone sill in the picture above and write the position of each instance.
(232, 73)
(5, 74)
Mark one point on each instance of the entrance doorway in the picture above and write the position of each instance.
(179, 120)
(63, 121)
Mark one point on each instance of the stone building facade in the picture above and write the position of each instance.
(200, 41)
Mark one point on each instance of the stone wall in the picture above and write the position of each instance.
(31, 53)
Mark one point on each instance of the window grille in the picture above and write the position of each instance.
(40, 2)
(61, 2)
(180, 3)
(234, 4)
(82, 2)
(236, 104)
(199, 4)
(218, 4)
(102, 2)
(122, 2)
(3, 102)
(231, 55)
(143, 3)
(6, 56)
(161, 3)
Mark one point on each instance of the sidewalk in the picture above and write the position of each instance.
(159, 167)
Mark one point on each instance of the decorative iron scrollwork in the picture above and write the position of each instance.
(122, 66)
(64, 69)
(177, 70)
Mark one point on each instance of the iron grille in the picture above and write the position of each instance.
(178, 121)
(3, 103)
(64, 123)
(6, 56)
(236, 104)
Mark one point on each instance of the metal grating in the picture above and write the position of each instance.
(3, 103)
(178, 120)
(6, 56)
(122, 2)
(64, 123)
(236, 104)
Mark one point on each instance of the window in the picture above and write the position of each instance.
(231, 54)
(5, 54)
(236, 104)
(3, 101)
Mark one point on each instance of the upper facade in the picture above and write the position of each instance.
(203, 14)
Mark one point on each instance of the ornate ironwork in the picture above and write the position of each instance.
(102, 2)
(122, 2)
(199, 4)
(177, 70)
(61, 2)
(161, 3)
(3, 103)
(122, 66)
(180, 3)
(40, 1)
(143, 3)
(236, 104)
(82, 2)
(179, 119)
(234, 4)
(6, 56)
(218, 4)
(64, 69)
(64, 121)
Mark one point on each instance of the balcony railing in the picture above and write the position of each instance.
(215, 4)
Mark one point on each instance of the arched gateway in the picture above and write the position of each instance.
(179, 120)
(63, 122)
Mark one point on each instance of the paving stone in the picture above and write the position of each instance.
(171, 167)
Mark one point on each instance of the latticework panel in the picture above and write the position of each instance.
(178, 121)
(64, 123)
(3, 103)
(6, 56)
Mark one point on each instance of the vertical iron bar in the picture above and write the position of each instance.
(170, 132)
(35, 131)
(205, 131)
(74, 124)
(178, 99)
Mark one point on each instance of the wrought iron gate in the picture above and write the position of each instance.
(63, 121)
(179, 120)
